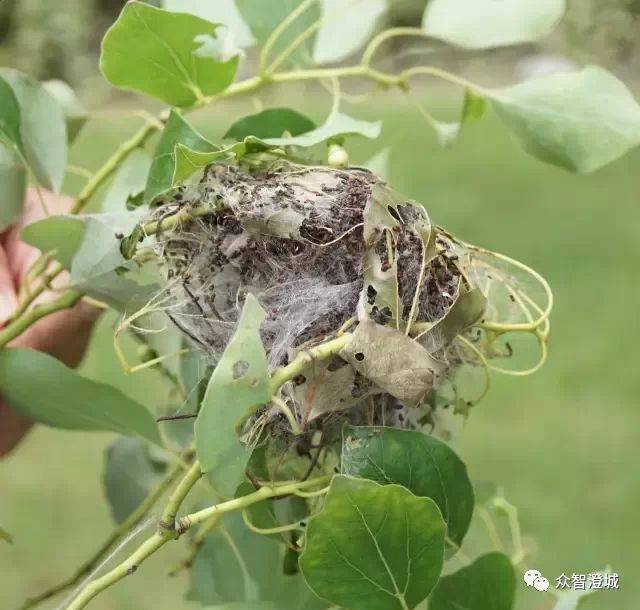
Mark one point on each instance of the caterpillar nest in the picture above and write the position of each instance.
(326, 252)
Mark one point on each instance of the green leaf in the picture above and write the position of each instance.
(483, 24)
(99, 252)
(45, 390)
(346, 27)
(238, 386)
(64, 234)
(270, 123)
(74, 112)
(489, 583)
(237, 566)
(9, 116)
(373, 547)
(231, 566)
(176, 131)
(424, 465)
(13, 182)
(263, 17)
(173, 57)
(6, 536)
(336, 126)
(128, 183)
(577, 120)
(130, 473)
(473, 106)
(42, 139)
(245, 606)
(89, 246)
(188, 161)
(220, 11)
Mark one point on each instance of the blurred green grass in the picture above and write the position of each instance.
(563, 443)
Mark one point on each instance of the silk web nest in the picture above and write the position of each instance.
(328, 251)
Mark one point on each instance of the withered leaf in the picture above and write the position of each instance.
(392, 361)
(466, 309)
(325, 390)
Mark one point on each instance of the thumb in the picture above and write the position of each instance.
(8, 298)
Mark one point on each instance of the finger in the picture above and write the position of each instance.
(21, 255)
(8, 298)
(64, 334)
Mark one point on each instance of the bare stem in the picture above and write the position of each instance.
(161, 537)
(126, 526)
(168, 520)
(196, 544)
(112, 164)
(65, 301)
(305, 357)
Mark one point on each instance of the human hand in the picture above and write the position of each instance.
(64, 334)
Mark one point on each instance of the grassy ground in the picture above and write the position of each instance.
(563, 443)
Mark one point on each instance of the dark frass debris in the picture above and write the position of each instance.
(328, 251)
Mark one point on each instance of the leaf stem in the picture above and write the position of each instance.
(275, 35)
(382, 37)
(267, 531)
(319, 352)
(196, 544)
(65, 301)
(168, 519)
(112, 164)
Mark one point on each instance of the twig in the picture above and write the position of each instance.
(162, 536)
(112, 164)
(127, 525)
(65, 301)
(196, 544)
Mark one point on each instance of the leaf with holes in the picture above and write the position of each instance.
(424, 465)
(373, 547)
(238, 386)
(174, 57)
(394, 362)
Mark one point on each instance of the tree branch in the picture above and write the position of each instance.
(126, 526)
(161, 537)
